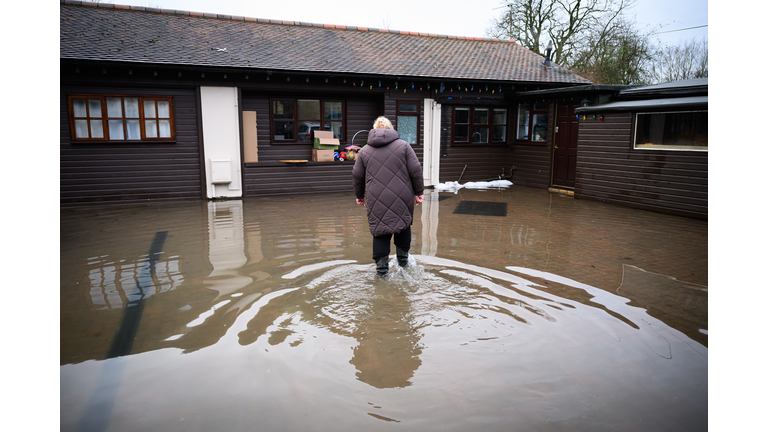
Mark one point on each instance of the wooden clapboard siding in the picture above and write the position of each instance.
(95, 173)
(610, 170)
(533, 165)
(270, 177)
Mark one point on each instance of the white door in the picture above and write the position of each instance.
(221, 141)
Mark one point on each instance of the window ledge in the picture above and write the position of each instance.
(307, 163)
(531, 143)
(110, 142)
(464, 144)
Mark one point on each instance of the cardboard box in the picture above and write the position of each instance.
(324, 140)
(322, 155)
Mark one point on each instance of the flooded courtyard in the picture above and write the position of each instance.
(520, 310)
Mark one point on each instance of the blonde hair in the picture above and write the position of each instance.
(382, 123)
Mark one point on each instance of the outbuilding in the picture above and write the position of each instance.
(163, 104)
(647, 149)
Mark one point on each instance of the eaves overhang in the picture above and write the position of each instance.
(695, 102)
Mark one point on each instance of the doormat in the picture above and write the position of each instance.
(481, 208)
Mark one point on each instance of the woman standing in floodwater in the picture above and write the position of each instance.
(388, 180)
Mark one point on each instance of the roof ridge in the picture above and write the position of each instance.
(273, 21)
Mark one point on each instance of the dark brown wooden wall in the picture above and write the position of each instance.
(610, 170)
(271, 177)
(96, 173)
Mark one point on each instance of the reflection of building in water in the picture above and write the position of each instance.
(227, 247)
(115, 283)
(429, 221)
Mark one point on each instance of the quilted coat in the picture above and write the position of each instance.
(388, 175)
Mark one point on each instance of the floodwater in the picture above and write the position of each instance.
(266, 314)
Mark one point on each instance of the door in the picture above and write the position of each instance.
(566, 138)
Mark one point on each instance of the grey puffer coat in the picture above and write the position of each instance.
(388, 175)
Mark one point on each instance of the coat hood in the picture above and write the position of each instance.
(381, 137)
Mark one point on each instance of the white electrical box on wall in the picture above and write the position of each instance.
(221, 171)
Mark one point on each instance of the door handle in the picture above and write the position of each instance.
(556, 147)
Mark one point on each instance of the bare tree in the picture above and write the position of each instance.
(567, 23)
(688, 60)
(617, 53)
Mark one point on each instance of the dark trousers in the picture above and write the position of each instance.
(381, 243)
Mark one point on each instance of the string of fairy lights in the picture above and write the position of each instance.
(438, 88)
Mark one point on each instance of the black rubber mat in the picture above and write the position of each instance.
(481, 208)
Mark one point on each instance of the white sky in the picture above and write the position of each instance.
(449, 17)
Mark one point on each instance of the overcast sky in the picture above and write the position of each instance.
(449, 17)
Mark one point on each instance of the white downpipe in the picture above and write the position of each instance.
(431, 166)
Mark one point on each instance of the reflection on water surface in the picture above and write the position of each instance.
(266, 313)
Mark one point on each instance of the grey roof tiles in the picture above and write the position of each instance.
(108, 32)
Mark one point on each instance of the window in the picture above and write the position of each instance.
(121, 118)
(671, 131)
(532, 122)
(408, 121)
(294, 120)
(476, 125)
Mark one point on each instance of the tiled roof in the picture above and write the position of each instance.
(109, 32)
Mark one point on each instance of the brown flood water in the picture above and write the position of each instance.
(266, 314)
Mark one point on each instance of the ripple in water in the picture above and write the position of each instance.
(438, 345)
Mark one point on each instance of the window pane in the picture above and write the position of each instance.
(78, 106)
(523, 115)
(499, 133)
(131, 107)
(462, 133)
(133, 129)
(283, 110)
(94, 108)
(97, 128)
(283, 130)
(150, 128)
(115, 128)
(149, 109)
(332, 111)
(481, 116)
(408, 108)
(165, 128)
(336, 128)
(305, 130)
(479, 135)
(81, 127)
(114, 108)
(540, 127)
(680, 130)
(406, 126)
(499, 116)
(309, 109)
(538, 106)
(163, 109)
(462, 115)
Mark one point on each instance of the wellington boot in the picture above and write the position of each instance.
(382, 266)
(402, 257)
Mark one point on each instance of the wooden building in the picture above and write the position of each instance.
(167, 105)
(647, 149)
